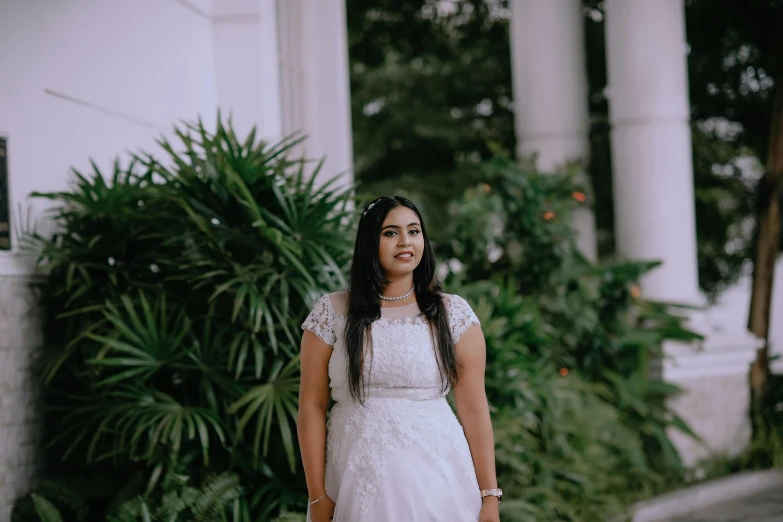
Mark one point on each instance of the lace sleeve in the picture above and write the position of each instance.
(461, 316)
(321, 321)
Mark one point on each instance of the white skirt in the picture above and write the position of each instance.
(397, 460)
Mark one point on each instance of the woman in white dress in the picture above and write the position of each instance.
(388, 351)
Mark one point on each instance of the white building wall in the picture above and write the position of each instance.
(96, 79)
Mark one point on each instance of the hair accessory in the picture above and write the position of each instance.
(366, 210)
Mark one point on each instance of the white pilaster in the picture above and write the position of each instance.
(315, 88)
(651, 143)
(550, 90)
(246, 66)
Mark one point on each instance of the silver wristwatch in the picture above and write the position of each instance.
(494, 492)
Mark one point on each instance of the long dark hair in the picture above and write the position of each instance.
(367, 284)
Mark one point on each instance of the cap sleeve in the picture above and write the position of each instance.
(461, 316)
(320, 321)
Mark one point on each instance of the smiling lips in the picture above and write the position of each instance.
(405, 255)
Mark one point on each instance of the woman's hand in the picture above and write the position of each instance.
(323, 510)
(490, 510)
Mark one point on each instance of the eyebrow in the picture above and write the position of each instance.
(414, 224)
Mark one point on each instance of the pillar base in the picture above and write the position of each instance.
(715, 401)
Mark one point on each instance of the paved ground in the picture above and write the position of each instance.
(766, 506)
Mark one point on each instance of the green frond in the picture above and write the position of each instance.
(45, 509)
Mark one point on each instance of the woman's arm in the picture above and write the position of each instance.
(313, 403)
(472, 408)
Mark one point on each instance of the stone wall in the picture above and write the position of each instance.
(20, 340)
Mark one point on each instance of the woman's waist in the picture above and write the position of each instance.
(393, 416)
(391, 393)
(390, 410)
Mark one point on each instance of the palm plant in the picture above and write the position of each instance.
(176, 288)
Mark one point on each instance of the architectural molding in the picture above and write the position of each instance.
(17, 264)
(718, 354)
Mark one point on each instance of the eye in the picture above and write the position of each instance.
(414, 232)
(389, 233)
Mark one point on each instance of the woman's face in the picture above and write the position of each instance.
(402, 243)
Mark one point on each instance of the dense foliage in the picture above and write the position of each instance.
(175, 293)
(580, 418)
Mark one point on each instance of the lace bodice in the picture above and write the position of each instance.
(403, 361)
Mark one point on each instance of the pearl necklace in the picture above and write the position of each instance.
(398, 298)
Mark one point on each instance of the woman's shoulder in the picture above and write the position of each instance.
(337, 301)
(454, 300)
(461, 315)
(458, 307)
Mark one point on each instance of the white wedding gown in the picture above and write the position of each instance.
(402, 457)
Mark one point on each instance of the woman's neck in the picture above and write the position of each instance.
(399, 287)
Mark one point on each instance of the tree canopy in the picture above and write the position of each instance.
(431, 97)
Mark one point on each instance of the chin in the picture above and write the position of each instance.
(397, 271)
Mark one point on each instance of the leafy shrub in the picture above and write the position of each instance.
(175, 293)
(581, 423)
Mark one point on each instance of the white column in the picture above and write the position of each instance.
(550, 91)
(247, 74)
(651, 143)
(655, 217)
(315, 81)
